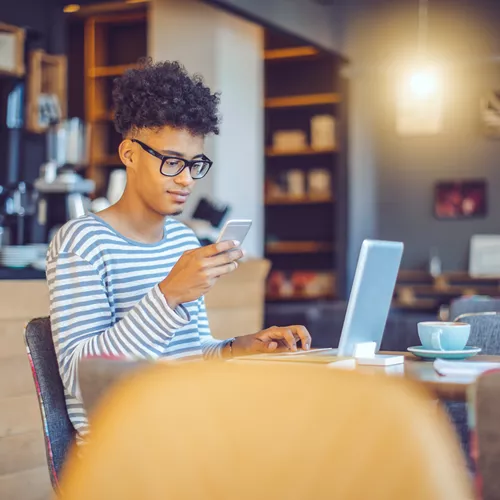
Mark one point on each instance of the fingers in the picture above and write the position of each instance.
(225, 258)
(219, 271)
(216, 248)
(287, 337)
(279, 335)
(304, 336)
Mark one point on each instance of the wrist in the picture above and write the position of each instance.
(172, 301)
(238, 347)
(227, 350)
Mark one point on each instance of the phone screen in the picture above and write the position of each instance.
(235, 230)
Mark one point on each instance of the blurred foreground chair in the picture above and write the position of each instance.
(484, 418)
(261, 431)
(485, 333)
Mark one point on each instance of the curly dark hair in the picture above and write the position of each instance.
(163, 93)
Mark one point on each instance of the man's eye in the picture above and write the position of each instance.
(173, 163)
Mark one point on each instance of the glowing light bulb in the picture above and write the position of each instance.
(424, 83)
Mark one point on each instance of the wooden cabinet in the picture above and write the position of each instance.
(306, 180)
(47, 75)
(110, 43)
(11, 50)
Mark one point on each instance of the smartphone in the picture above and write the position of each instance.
(235, 230)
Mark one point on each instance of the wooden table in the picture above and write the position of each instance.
(450, 388)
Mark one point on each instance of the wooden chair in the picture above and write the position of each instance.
(252, 430)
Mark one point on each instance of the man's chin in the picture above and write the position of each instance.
(175, 210)
(170, 209)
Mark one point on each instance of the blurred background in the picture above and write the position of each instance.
(341, 121)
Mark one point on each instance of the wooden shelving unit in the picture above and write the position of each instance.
(302, 100)
(298, 200)
(270, 297)
(288, 53)
(47, 75)
(108, 161)
(300, 152)
(15, 65)
(298, 247)
(418, 290)
(305, 232)
(105, 71)
(111, 40)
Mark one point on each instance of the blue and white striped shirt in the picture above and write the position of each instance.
(105, 300)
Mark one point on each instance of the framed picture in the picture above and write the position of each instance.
(490, 114)
(460, 199)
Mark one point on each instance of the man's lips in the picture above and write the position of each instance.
(179, 196)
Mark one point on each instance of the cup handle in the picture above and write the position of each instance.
(436, 340)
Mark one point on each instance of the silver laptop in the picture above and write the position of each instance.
(370, 298)
(371, 294)
(368, 306)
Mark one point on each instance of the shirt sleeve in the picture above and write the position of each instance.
(212, 348)
(82, 320)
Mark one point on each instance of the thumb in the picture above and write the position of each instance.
(272, 346)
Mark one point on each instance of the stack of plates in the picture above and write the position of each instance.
(19, 256)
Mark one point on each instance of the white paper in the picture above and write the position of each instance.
(464, 368)
(8, 52)
(484, 259)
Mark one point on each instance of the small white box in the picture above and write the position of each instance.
(382, 360)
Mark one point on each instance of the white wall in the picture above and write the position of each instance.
(314, 20)
(227, 51)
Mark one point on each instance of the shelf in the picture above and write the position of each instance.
(300, 152)
(448, 291)
(120, 12)
(298, 247)
(412, 277)
(417, 305)
(298, 200)
(298, 296)
(103, 71)
(302, 100)
(290, 53)
(105, 116)
(12, 64)
(109, 161)
(47, 75)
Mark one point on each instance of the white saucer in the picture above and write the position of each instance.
(434, 354)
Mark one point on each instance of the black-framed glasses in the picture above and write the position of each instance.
(172, 165)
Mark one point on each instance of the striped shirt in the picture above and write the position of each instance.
(105, 300)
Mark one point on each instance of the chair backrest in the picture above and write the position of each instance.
(57, 427)
(484, 332)
(484, 417)
(474, 304)
(251, 430)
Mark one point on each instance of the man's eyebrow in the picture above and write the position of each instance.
(180, 155)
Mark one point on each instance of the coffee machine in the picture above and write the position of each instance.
(63, 194)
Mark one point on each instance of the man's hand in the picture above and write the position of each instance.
(274, 339)
(197, 271)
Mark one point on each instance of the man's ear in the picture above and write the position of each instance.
(127, 154)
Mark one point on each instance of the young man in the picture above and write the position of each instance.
(131, 281)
